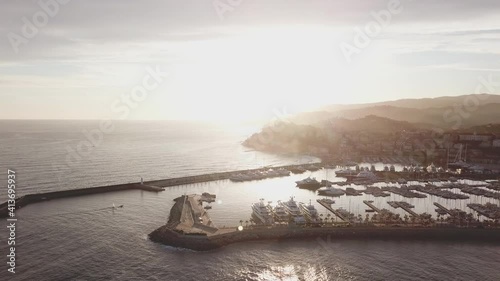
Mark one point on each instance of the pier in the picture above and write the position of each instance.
(404, 207)
(329, 208)
(369, 204)
(152, 186)
(443, 209)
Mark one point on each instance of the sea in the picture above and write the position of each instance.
(84, 238)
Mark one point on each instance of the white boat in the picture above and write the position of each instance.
(345, 172)
(261, 211)
(327, 201)
(308, 183)
(309, 212)
(331, 191)
(365, 176)
(279, 212)
(293, 210)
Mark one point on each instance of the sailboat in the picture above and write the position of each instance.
(458, 162)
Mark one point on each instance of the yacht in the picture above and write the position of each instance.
(279, 213)
(261, 211)
(293, 210)
(327, 201)
(365, 177)
(308, 183)
(331, 191)
(345, 172)
(309, 212)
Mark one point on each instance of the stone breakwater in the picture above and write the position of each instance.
(202, 242)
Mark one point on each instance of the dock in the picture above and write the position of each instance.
(443, 208)
(404, 207)
(329, 208)
(369, 204)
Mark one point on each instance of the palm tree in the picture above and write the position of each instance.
(246, 223)
(241, 222)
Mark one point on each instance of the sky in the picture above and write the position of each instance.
(229, 60)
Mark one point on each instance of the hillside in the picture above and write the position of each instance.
(439, 102)
(444, 117)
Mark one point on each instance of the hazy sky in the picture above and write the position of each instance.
(237, 59)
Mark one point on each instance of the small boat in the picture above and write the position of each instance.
(308, 182)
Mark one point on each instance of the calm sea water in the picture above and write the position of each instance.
(83, 239)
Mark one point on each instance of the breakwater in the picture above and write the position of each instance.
(154, 186)
(39, 197)
(189, 227)
(200, 242)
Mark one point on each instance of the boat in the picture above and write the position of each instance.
(365, 177)
(279, 212)
(402, 181)
(207, 197)
(261, 211)
(459, 162)
(293, 210)
(309, 212)
(308, 182)
(345, 172)
(207, 207)
(331, 191)
(327, 201)
(431, 168)
(297, 170)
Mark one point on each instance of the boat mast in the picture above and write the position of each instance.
(465, 158)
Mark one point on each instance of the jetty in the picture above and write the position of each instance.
(152, 186)
(190, 227)
(329, 208)
(39, 197)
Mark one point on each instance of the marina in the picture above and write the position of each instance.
(189, 226)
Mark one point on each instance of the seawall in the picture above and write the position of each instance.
(39, 197)
(156, 185)
(167, 236)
